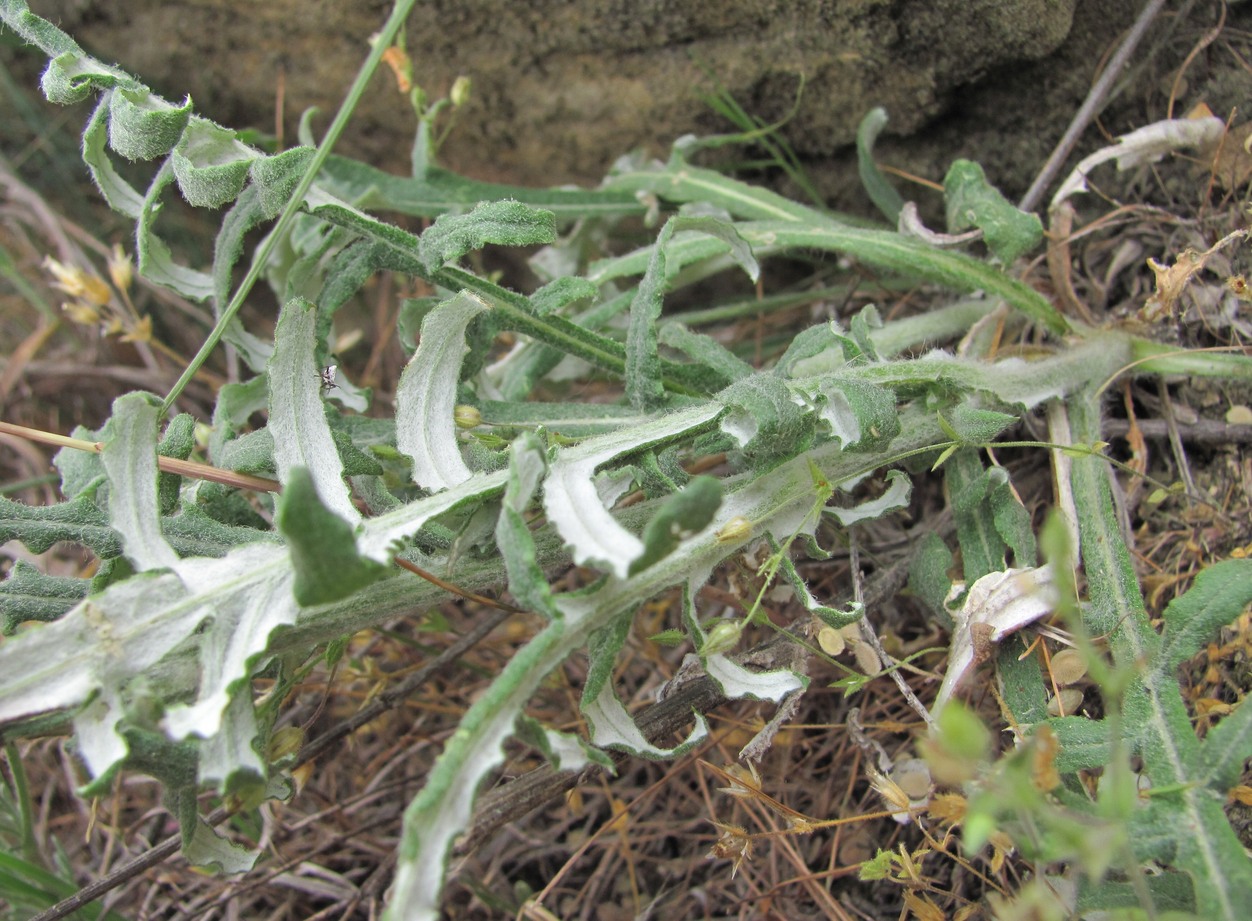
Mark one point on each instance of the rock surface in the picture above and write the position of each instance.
(561, 89)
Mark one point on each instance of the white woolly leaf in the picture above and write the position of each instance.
(737, 682)
(426, 396)
(302, 436)
(996, 605)
(574, 503)
(899, 491)
(612, 726)
(129, 458)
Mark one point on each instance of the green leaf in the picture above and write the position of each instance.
(895, 497)
(1153, 708)
(982, 547)
(679, 516)
(611, 725)
(565, 751)
(28, 594)
(719, 229)
(864, 326)
(809, 343)
(973, 425)
(437, 191)
(323, 546)
(276, 178)
(672, 637)
(79, 520)
(142, 125)
(426, 396)
(35, 30)
(156, 263)
(878, 867)
(862, 416)
(928, 575)
(211, 165)
(973, 202)
(643, 370)
(1022, 684)
(527, 580)
(739, 683)
(765, 421)
(881, 192)
(707, 351)
(1170, 892)
(193, 532)
(561, 293)
(1011, 519)
(1225, 749)
(120, 194)
(72, 75)
(178, 442)
(831, 617)
(573, 420)
(506, 223)
(1219, 595)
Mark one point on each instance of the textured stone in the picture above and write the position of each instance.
(563, 88)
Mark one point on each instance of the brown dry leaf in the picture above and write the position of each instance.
(1232, 167)
(1210, 706)
(921, 907)
(1043, 773)
(745, 781)
(1172, 280)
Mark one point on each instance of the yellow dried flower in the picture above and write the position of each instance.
(140, 332)
(81, 313)
(121, 268)
(77, 283)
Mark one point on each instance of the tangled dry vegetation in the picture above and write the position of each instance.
(695, 837)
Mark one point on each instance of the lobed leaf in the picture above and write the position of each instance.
(27, 594)
(507, 223)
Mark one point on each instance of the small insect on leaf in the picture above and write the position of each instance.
(328, 377)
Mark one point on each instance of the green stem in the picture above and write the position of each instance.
(383, 41)
(21, 794)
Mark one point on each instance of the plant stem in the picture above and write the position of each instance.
(382, 42)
